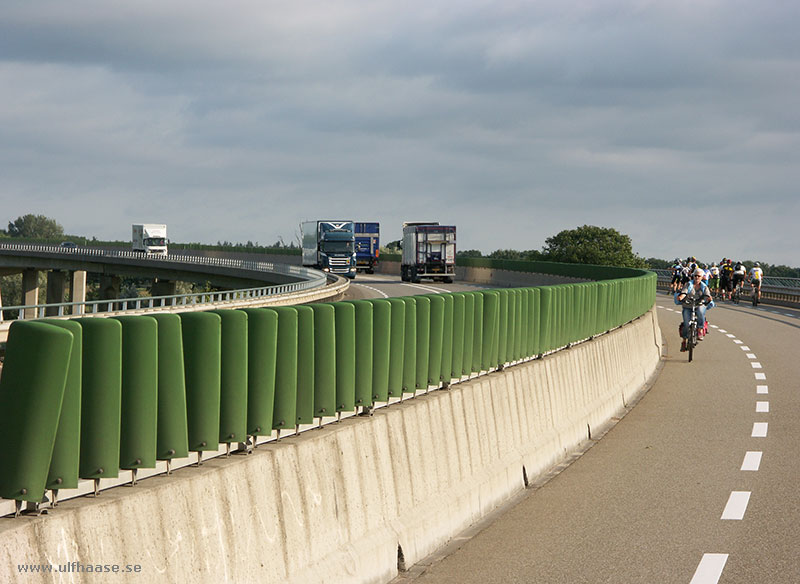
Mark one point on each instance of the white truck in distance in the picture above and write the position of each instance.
(151, 238)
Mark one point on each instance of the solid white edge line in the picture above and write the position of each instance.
(760, 430)
(762, 407)
(709, 569)
(736, 506)
(752, 460)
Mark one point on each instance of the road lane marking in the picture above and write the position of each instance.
(736, 505)
(737, 341)
(762, 407)
(752, 460)
(428, 288)
(761, 376)
(762, 389)
(723, 331)
(714, 326)
(384, 294)
(760, 430)
(755, 365)
(730, 336)
(744, 348)
(751, 356)
(710, 569)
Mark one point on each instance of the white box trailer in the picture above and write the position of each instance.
(151, 238)
(429, 251)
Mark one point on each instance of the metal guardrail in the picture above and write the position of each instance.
(308, 279)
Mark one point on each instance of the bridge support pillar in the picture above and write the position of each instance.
(163, 288)
(109, 290)
(56, 284)
(30, 290)
(77, 290)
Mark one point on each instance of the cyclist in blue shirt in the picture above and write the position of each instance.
(694, 290)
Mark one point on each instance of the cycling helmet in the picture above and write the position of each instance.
(757, 264)
(714, 265)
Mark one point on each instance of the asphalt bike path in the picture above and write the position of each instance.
(699, 483)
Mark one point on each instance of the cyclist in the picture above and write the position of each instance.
(725, 278)
(739, 273)
(677, 268)
(713, 281)
(694, 290)
(755, 276)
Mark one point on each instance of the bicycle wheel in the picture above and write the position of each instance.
(691, 341)
(755, 299)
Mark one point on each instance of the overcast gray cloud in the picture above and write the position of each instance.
(673, 122)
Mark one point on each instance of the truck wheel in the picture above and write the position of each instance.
(403, 274)
(370, 270)
(414, 278)
(447, 280)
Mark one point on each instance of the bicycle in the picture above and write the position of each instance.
(693, 335)
(754, 293)
(737, 293)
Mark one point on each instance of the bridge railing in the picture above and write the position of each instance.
(130, 393)
(779, 289)
(306, 280)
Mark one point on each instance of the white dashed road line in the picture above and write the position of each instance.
(736, 506)
(710, 569)
(760, 430)
(752, 461)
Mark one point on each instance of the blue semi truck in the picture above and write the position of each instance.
(367, 245)
(330, 246)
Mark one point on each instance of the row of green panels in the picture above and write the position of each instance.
(87, 397)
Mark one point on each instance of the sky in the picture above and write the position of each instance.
(676, 123)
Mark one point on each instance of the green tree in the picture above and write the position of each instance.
(35, 227)
(469, 253)
(592, 245)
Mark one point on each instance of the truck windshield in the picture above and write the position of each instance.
(337, 247)
(155, 241)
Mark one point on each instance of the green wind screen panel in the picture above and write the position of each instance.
(381, 349)
(233, 376)
(491, 321)
(172, 437)
(545, 313)
(202, 354)
(305, 365)
(101, 397)
(520, 315)
(262, 347)
(423, 341)
(456, 370)
(478, 333)
(286, 369)
(364, 348)
(397, 347)
(345, 356)
(410, 347)
(63, 473)
(324, 360)
(446, 373)
(139, 421)
(436, 332)
(469, 333)
(534, 316)
(504, 326)
(35, 373)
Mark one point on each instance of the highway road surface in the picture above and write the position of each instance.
(699, 483)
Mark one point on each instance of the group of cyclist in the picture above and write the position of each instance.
(696, 285)
(722, 279)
